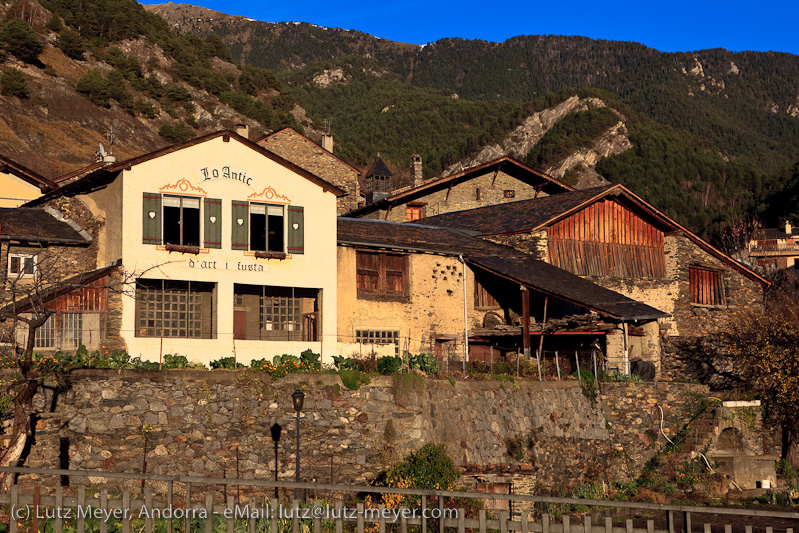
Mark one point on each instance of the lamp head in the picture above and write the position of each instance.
(298, 397)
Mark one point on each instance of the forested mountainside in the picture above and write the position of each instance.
(73, 70)
(705, 136)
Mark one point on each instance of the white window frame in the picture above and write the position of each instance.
(21, 273)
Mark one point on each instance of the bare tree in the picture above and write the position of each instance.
(735, 238)
(28, 300)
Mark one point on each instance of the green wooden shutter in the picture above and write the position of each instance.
(151, 218)
(213, 223)
(296, 230)
(241, 225)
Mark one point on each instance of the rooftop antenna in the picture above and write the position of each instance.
(327, 125)
(108, 157)
(111, 136)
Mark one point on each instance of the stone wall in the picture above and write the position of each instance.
(213, 423)
(486, 189)
(305, 153)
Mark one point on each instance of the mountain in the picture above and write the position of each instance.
(104, 68)
(706, 136)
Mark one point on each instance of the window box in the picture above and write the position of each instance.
(270, 255)
(182, 248)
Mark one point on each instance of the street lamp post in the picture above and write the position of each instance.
(298, 397)
(276, 429)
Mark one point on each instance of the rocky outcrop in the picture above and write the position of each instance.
(519, 142)
(578, 169)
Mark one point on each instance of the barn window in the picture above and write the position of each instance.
(22, 266)
(382, 276)
(707, 287)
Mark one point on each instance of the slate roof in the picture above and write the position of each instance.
(396, 235)
(507, 164)
(39, 225)
(514, 217)
(498, 259)
(558, 283)
(378, 168)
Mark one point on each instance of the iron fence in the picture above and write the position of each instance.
(176, 504)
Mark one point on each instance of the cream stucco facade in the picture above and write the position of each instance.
(226, 170)
(15, 191)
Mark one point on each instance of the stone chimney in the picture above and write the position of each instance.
(243, 130)
(327, 142)
(416, 169)
(788, 228)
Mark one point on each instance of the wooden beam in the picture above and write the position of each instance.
(543, 325)
(525, 320)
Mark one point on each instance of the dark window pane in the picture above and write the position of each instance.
(191, 226)
(258, 231)
(171, 225)
(275, 233)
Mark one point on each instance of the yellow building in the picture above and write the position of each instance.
(19, 184)
(214, 231)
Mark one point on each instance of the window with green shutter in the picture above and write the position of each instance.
(213, 223)
(240, 224)
(296, 229)
(151, 216)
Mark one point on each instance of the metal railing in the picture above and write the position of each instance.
(197, 507)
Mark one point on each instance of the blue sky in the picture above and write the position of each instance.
(667, 25)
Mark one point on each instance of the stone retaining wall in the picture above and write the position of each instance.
(217, 423)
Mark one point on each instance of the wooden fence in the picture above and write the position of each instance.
(185, 504)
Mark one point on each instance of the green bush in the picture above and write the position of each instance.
(346, 363)
(389, 365)
(353, 379)
(227, 363)
(177, 361)
(426, 363)
(21, 41)
(94, 87)
(176, 133)
(312, 361)
(13, 83)
(429, 467)
(54, 23)
(71, 43)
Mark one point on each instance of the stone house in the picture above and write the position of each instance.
(214, 232)
(19, 184)
(318, 160)
(773, 249)
(424, 289)
(499, 181)
(610, 236)
(48, 263)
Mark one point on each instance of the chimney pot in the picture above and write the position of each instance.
(788, 228)
(416, 169)
(243, 130)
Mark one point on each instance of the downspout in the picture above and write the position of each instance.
(465, 318)
(626, 350)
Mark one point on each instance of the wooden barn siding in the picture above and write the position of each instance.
(83, 299)
(607, 239)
